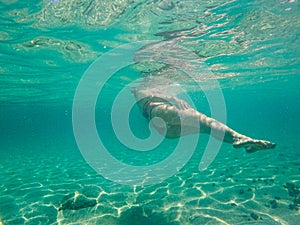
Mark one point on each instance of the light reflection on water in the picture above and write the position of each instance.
(53, 42)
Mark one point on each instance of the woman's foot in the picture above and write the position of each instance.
(252, 145)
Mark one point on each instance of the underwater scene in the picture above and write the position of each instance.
(88, 91)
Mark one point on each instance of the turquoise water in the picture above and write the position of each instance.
(252, 48)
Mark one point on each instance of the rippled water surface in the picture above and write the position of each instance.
(250, 48)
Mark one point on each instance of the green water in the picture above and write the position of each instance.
(253, 50)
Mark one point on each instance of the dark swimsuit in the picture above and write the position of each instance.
(147, 108)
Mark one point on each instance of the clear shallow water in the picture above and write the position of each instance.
(251, 46)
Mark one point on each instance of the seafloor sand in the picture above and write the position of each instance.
(238, 188)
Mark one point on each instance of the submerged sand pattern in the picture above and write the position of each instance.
(230, 192)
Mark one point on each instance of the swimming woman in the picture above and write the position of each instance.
(181, 119)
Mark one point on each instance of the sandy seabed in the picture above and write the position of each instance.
(238, 188)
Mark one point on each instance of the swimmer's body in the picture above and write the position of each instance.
(181, 119)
